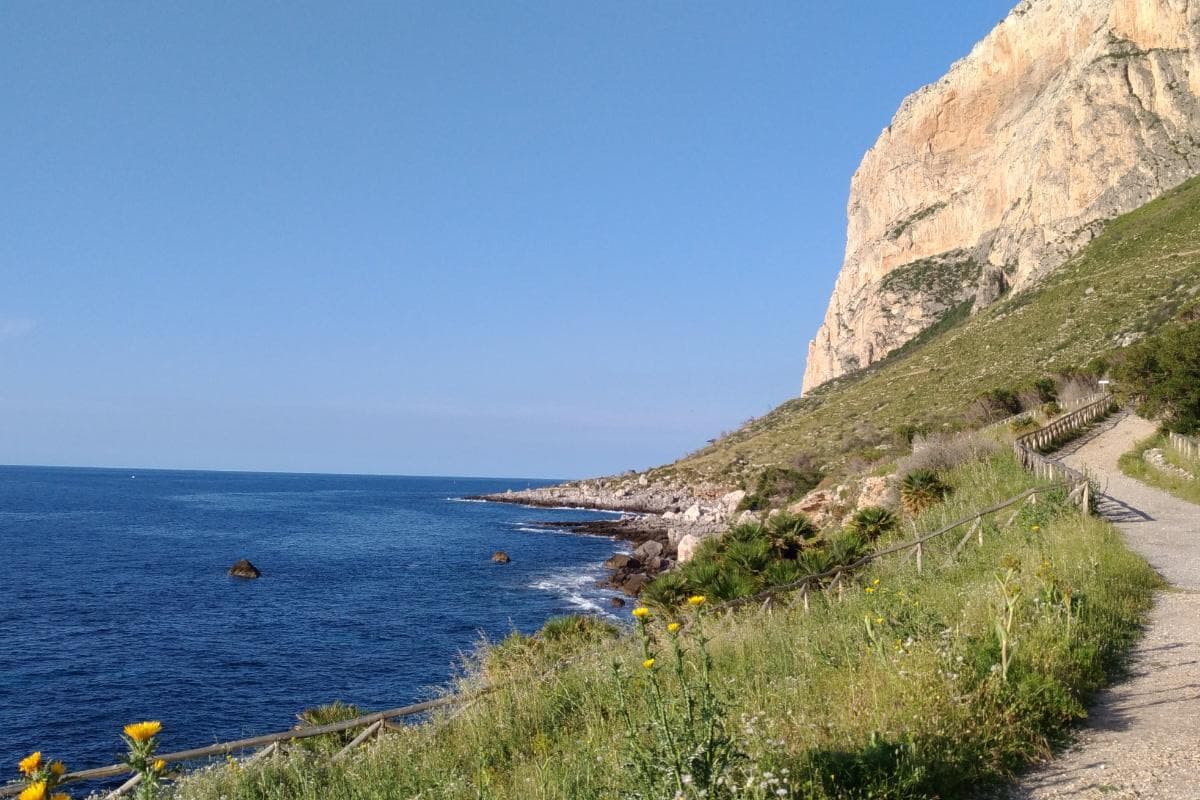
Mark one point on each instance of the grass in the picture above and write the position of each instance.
(1132, 278)
(1135, 466)
(894, 692)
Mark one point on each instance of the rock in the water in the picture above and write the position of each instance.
(244, 569)
(686, 548)
(617, 602)
(621, 561)
(500, 557)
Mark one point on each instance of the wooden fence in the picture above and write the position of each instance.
(1031, 447)
(1186, 445)
(832, 581)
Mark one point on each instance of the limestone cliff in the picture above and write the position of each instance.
(1068, 113)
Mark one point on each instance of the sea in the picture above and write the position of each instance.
(115, 605)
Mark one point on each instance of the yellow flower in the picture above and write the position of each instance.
(60, 796)
(641, 612)
(875, 582)
(870, 590)
(30, 763)
(58, 769)
(1036, 528)
(34, 791)
(879, 620)
(143, 731)
(159, 765)
(648, 663)
(696, 600)
(673, 627)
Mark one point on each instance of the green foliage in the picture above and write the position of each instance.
(1047, 389)
(1162, 374)
(326, 714)
(779, 485)
(996, 403)
(922, 489)
(1023, 424)
(872, 522)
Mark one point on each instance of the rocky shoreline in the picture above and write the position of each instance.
(665, 524)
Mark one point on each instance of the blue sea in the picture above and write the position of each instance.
(115, 605)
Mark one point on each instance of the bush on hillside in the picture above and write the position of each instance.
(921, 490)
(942, 451)
(1161, 374)
(872, 522)
(995, 404)
(777, 486)
(751, 557)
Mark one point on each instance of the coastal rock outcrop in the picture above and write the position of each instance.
(500, 557)
(1068, 113)
(244, 569)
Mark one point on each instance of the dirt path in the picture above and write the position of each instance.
(1142, 739)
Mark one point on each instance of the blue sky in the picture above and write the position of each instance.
(521, 238)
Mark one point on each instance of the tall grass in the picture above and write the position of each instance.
(895, 691)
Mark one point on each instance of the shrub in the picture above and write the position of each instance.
(872, 522)
(944, 451)
(779, 485)
(1052, 409)
(1161, 374)
(1023, 424)
(314, 717)
(922, 489)
(1046, 389)
(996, 404)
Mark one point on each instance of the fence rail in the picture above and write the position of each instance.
(1186, 445)
(1030, 447)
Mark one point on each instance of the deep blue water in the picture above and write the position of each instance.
(115, 605)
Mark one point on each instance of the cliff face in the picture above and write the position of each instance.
(1068, 113)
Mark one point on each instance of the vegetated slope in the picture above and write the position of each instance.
(1130, 280)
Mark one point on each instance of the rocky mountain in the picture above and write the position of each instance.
(1067, 114)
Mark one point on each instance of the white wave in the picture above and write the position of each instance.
(570, 586)
(531, 529)
(465, 500)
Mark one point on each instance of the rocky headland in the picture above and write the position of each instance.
(1069, 113)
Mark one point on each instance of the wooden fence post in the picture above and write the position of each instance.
(920, 555)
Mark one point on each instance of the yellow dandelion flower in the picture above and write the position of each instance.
(870, 590)
(1036, 528)
(34, 791)
(30, 763)
(648, 663)
(696, 600)
(159, 765)
(58, 769)
(641, 612)
(143, 731)
(879, 620)
(673, 627)
(875, 582)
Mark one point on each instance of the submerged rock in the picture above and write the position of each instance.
(244, 569)
(500, 557)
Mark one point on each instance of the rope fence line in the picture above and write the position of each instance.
(1028, 450)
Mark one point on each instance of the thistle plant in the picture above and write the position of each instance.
(41, 777)
(1010, 594)
(141, 741)
(685, 751)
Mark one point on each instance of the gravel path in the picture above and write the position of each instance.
(1142, 739)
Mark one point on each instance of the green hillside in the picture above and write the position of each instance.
(1129, 280)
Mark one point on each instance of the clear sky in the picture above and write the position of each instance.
(491, 238)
